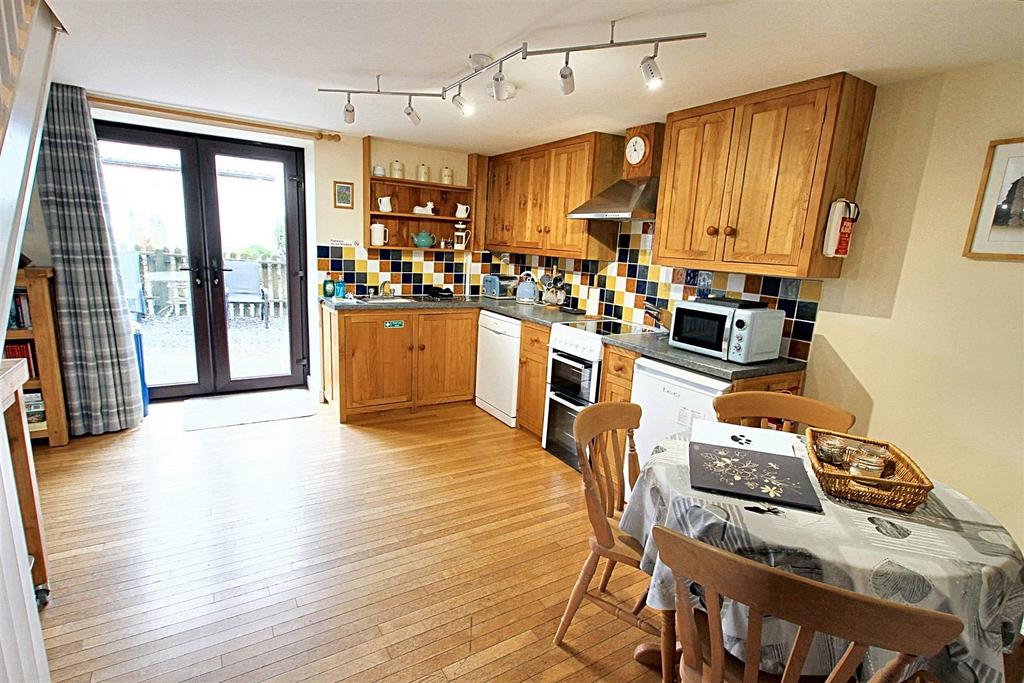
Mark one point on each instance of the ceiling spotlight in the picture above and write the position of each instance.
(350, 111)
(498, 85)
(651, 72)
(414, 118)
(465, 107)
(566, 78)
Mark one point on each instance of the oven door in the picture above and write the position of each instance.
(559, 415)
(572, 376)
(703, 328)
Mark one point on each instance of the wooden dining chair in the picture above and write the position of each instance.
(813, 606)
(604, 445)
(752, 408)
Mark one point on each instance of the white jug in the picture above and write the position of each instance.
(461, 210)
(378, 235)
(384, 204)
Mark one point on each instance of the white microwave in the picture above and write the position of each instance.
(735, 330)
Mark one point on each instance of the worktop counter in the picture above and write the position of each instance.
(654, 346)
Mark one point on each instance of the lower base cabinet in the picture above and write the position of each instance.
(381, 360)
(533, 378)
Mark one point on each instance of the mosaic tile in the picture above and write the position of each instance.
(620, 287)
(810, 290)
(789, 289)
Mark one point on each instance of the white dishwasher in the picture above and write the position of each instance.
(671, 399)
(497, 365)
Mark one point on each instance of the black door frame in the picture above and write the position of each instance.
(202, 227)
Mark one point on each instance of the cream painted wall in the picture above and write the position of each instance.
(925, 346)
(337, 161)
(344, 161)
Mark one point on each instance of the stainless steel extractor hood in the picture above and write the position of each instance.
(635, 199)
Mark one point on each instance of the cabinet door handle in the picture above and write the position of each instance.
(547, 229)
(618, 367)
(729, 231)
(540, 228)
(522, 361)
(712, 230)
(410, 348)
(423, 347)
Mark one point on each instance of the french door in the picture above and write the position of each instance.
(210, 235)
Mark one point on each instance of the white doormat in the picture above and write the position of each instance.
(245, 408)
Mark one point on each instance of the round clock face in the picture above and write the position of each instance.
(636, 149)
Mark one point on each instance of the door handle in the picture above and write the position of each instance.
(423, 347)
(729, 231)
(197, 272)
(215, 273)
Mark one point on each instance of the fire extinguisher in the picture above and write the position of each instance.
(839, 229)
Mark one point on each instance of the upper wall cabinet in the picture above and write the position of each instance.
(530, 191)
(747, 183)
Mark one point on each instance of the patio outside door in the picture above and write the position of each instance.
(210, 235)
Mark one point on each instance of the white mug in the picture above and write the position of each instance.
(461, 210)
(378, 171)
(384, 203)
(378, 235)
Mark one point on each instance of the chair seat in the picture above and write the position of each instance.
(245, 298)
(626, 550)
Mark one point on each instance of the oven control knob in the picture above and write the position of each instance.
(739, 336)
(737, 347)
(740, 324)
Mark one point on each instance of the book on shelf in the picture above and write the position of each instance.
(22, 349)
(20, 317)
(37, 426)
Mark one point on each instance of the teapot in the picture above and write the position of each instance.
(423, 239)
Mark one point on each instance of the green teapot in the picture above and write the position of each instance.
(423, 239)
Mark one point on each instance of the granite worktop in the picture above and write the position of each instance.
(654, 346)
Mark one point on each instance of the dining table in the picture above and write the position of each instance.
(948, 555)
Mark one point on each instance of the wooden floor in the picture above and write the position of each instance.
(434, 546)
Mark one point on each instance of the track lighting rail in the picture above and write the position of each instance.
(652, 76)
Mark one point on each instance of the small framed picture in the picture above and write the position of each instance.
(997, 226)
(343, 194)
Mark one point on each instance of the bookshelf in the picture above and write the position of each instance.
(40, 338)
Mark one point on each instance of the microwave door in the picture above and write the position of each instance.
(703, 330)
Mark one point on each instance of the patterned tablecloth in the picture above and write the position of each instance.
(948, 555)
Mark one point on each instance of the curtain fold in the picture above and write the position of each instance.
(101, 373)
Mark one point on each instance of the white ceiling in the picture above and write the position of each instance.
(265, 59)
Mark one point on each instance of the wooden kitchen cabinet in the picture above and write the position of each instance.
(617, 374)
(568, 172)
(501, 200)
(378, 350)
(533, 378)
(747, 183)
(380, 360)
(530, 192)
(446, 365)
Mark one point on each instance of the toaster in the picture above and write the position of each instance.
(499, 286)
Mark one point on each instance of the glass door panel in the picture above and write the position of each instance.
(254, 251)
(146, 200)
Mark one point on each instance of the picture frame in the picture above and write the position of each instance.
(344, 195)
(996, 232)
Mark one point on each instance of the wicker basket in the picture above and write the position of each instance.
(903, 487)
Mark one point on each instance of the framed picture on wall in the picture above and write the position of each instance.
(997, 226)
(343, 195)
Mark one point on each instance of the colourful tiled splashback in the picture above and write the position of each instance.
(618, 288)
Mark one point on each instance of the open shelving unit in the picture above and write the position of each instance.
(43, 337)
(406, 193)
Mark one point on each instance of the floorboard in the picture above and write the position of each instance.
(422, 547)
